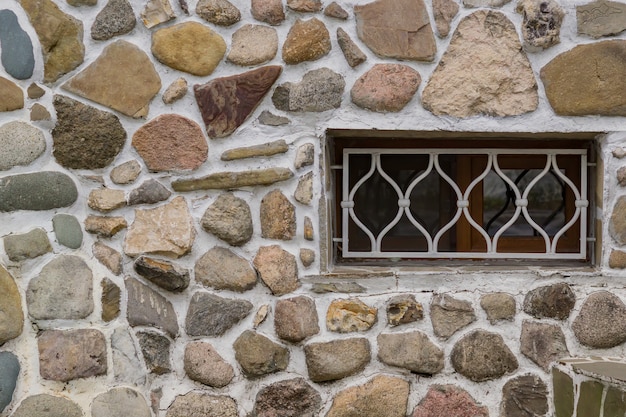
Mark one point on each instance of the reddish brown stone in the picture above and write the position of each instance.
(278, 269)
(268, 11)
(386, 87)
(448, 400)
(305, 5)
(225, 103)
(306, 41)
(336, 11)
(278, 217)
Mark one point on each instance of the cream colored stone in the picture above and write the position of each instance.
(106, 199)
(381, 396)
(105, 226)
(156, 12)
(175, 91)
(253, 45)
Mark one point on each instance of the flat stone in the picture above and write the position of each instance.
(147, 307)
(29, 245)
(111, 298)
(412, 351)
(292, 397)
(449, 400)
(305, 156)
(449, 315)
(396, 29)
(351, 51)
(10, 371)
(266, 149)
(65, 355)
(319, 90)
(601, 322)
(127, 367)
(108, 257)
(591, 89)
(60, 36)
(304, 190)
(269, 119)
(85, 137)
(307, 40)
(307, 257)
(524, 396)
(106, 199)
(67, 230)
(105, 226)
(200, 403)
(39, 113)
(383, 395)
(225, 103)
(175, 91)
(552, 301)
(543, 343)
(403, 309)
(221, 269)
(156, 12)
(386, 87)
(308, 228)
(337, 287)
(482, 356)
(79, 3)
(614, 402)
(505, 85)
(230, 219)
(617, 259)
(210, 315)
(257, 355)
(44, 190)
(122, 78)
(498, 306)
(590, 398)
(126, 173)
(116, 18)
(336, 11)
(171, 142)
(563, 392)
(165, 274)
(268, 11)
(617, 225)
(44, 405)
(149, 234)
(120, 402)
(278, 216)
(11, 315)
(12, 96)
(149, 192)
(62, 290)
(218, 12)
(277, 269)
(17, 49)
(541, 27)
(295, 319)
(444, 12)
(203, 364)
(155, 349)
(232, 180)
(305, 6)
(34, 91)
(600, 18)
(351, 315)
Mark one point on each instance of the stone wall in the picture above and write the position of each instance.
(162, 206)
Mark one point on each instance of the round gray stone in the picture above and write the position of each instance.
(498, 306)
(37, 191)
(320, 90)
(482, 355)
(601, 323)
(10, 369)
(20, 143)
(44, 405)
(67, 230)
(120, 402)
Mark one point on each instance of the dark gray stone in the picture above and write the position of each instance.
(329, 361)
(319, 90)
(120, 402)
(44, 405)
(156, 352)
(210, 315)
(552, 301)
(37, 191)
(165, 274)
(10, 370)
(257, 355)
(67, 230)
(147, 307)
(601, 323)
(524, 396)
(17, 49)
(543, 343)
(293, 397)
(150, 192)
(116, 18)
(481, 356)
(412, 351)
(449, 315)
(27, 245)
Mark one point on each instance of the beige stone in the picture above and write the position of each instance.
(205, 365)
(305, 6)
(126, 173)
(156, 12)
(444, 12)
(218, 12)
(306, 41)
(106, 199)
(277, 269)
(253, 45)
(617, 226)
(278, 216)
(383, 395)
(105, 226)
(11, 315)
(617, 259)
(601, 18)
(266, 149)
(39, 113)
(268, 11)
(351, 315)
(304, 190)
(307, 257)
(175, 91)
(230, 180)
(12, 96)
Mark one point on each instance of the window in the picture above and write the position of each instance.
(468, 198)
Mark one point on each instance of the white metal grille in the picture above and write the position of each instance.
(463, 210)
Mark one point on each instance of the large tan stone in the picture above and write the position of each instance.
(483, 72)
(383, 395)
(122, 78)
(601, 18)
(278, 216)
(306, 41)
(11, 315)
(588, 80)
(12, 96)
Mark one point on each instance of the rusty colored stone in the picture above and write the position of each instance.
(306, 41)
(278, 216)
(386, 87)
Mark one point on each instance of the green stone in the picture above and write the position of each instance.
(590, 400)
(36, 191)
(27, 245)
(67, 230)
(563, 388)
(615, 403)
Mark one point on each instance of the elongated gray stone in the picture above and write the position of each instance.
(126, 365)
(27, 245)
(230, 180)
(10, 367)
(265, 149)
(17, 49)
(147, 307)
(210, 315)
(37, 191)
(45, 405)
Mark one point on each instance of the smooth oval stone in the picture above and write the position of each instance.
(37, 191)
(17, 49)
(20, 144)
(67, 230)
(10, 367)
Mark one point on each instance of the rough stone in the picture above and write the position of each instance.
(210, 315)
(10, 366)
(17, 49)
(156, 12)
(60, 36)
(543, 343)
(268, 11)
(412, 351)
(336, 11)
(62, 290)
(305, 156)
(175, 91)
(148, 234)
(127, 367)
(44, 190)
(403, 309)
(65, 355)
(120, 402)
(617, 225)
(396, 29)
(116, 18)
(293, 397)
(199, 404)
(337, 287)
(617, 259)
(524, 396)
(11, 315)
(230, 219)
(106, 199)
(552, 301)
(305, 6)
(329, 361)
(591, 89)
(304, 190)
(257, 355)
(306, 41)
(498, 306)
(155, 349)
(203, 364)
(308, 228)
(278, 216)
(501, 82)
(171, 142)
(232, 180)
(449, 315)
(261, 315)
(385, 87)
(111, 299)
(105, 226)
(351, 315)
(126, 173)
(351, 51)
(621, 176)
(108, 257)
(541, 27)
(383, 395)
(165, 274)
(221, 269)
(320, 90)
(44, 405)
(67, 230)
(307, 257)
(12, 96)
(20, 144)
(39, 113)
(295, 319)
(85, 137)
(601, 322)
(269, 119)
(27, 245)
(444, 12)
(122, 78)
(277, 269)
(218, 12)
(482, 356)
(448, 400)
(600, 18)
(266, 149)
(149, 192)
(147, 307)
(225, 103)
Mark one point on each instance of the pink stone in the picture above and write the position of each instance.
(449, 401)
(386, 87)
(268, 11)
